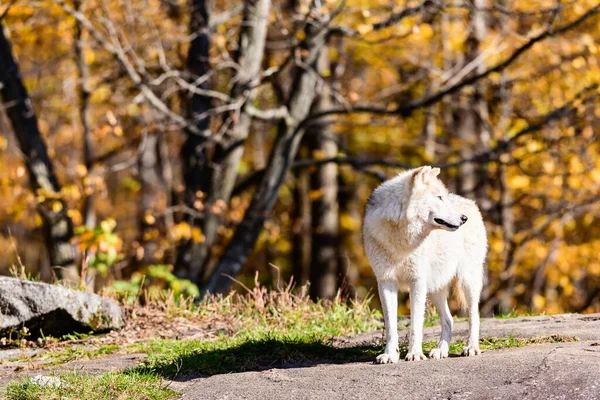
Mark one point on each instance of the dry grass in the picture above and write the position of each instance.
(255, 313)
(259, 309)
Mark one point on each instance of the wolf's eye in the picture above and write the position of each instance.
(440, 197)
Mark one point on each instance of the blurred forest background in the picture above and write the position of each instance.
(183, 144)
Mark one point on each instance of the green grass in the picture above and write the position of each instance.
(170, 357)
(431, 320)
(517, 314)
(109, 386)
(66, 354)
(74, 353)
(493, 343)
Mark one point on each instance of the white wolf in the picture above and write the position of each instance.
(413, 242)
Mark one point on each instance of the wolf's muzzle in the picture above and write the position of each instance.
(448, 224)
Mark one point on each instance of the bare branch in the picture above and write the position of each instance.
(267, 115)
(117, 52)
(394, 18)
(7, 9)
(225, 16)
(491, 155)
(408, 109)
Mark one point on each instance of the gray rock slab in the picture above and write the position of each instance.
(550, 371)
(54, 310)
(583, 326)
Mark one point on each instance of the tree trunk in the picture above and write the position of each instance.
(152, 192)
(472, 116)
(283, 153)
(193, 151)
(324, 194)
(348, 201)
(301, 237)
(228, 154)
(466, 128)
(430, 125)
(58, 228)
(87, 211)
(350, 206)
(491, 302)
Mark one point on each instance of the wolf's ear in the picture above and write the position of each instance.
(434, 172)
(421, 175)
(417, 176)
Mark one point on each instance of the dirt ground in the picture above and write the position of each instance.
(548, 371)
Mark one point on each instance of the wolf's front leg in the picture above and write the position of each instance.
(388, 295)
(472, 292)
(418, 299)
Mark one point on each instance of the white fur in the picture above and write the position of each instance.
(415, 240)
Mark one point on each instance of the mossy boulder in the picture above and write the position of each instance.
(53, 310)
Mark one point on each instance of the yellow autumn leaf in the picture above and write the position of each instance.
(349, 223)
(315, 194)
(533, 146)
(426, 31)
(539, 302)
(149, 218)
(579, 62)
(89, 56)
(497, 245)
(363, 29)
(197, 235)
(319, 154)
(518, 182)
(81, 170)
(133, 110)
(108, 224)
(184, 229)
(57, 206)
(101, 94)
(576, 166)
(548, 166)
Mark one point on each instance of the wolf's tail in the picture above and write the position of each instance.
(458, 293)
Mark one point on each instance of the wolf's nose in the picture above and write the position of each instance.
(463, 218)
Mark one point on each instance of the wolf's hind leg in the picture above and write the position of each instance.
(440, 301)
(472, 292)
(388, 295)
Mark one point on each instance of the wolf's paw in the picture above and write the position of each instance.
(470, 351)
(386, 358)
(438, 353)
(415, 357)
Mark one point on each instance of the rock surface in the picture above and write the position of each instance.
(547, 371)
(550, 371)
(54, 310)
(583, 326)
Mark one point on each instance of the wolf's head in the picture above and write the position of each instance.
(430, 202)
